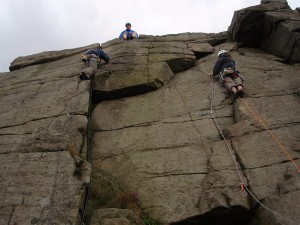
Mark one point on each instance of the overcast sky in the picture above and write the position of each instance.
(33, 26)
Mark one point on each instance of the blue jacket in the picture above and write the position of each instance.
(129, 34)
(99, 53)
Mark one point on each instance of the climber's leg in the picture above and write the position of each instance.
(229, 84)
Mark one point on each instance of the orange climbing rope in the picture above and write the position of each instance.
(244, 189)
(255, 116)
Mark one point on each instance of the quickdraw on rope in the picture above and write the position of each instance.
(244, 193)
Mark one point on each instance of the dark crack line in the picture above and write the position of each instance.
(174, 174)
(148, 149)
(11, 214)
(267, 95)
(270, 165)
(260, 129)
(43, 118)
(187, 111)
(39, 80)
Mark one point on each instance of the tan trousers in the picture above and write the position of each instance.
(90, 65)
(230, 82)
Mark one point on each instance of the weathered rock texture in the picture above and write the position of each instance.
(112, 216)
(273, 27)
(155, 145)
(156, 152)
(145, 65)
(37, 139)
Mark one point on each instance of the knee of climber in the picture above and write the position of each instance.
(228, 83)
(238, 81)
(89, 71)
(94, 63)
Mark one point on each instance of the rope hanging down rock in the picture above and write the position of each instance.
(242, 184)
(257, 118)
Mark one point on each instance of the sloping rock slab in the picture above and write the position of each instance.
(29, 194)
(139, 67)
(112, 216)
(42, 123)
(130, 70)
(132, 82)
(45, 57)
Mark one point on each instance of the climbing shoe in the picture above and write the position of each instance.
(83, 76)
(233, 96)
(240, 93)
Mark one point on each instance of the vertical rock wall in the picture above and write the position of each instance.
(157, 147)
(42, 125)
(156, 152)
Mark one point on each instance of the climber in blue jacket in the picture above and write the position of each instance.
(91, 61)
(96, 53)
(128, 34)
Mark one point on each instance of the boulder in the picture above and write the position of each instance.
(128, 83)
(281, 35)
(272, 26)
(201, 50)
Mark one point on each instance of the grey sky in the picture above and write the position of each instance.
(33, 26)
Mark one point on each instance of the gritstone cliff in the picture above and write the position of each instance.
(156, 156)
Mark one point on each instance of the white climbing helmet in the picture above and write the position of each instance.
(221, 52)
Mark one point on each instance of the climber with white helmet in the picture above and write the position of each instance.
(128, 34)
(228, 75)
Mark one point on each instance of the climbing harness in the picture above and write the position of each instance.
(244, 189)
(228, 72)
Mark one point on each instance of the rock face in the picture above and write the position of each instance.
(156, 145)
(45, 57)
(272, 26)
(156, 154)
(115, 217)
(138, 67)
(37, 139)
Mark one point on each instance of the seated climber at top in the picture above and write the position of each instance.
(228, 75)
(91, 60)
(128, 34)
